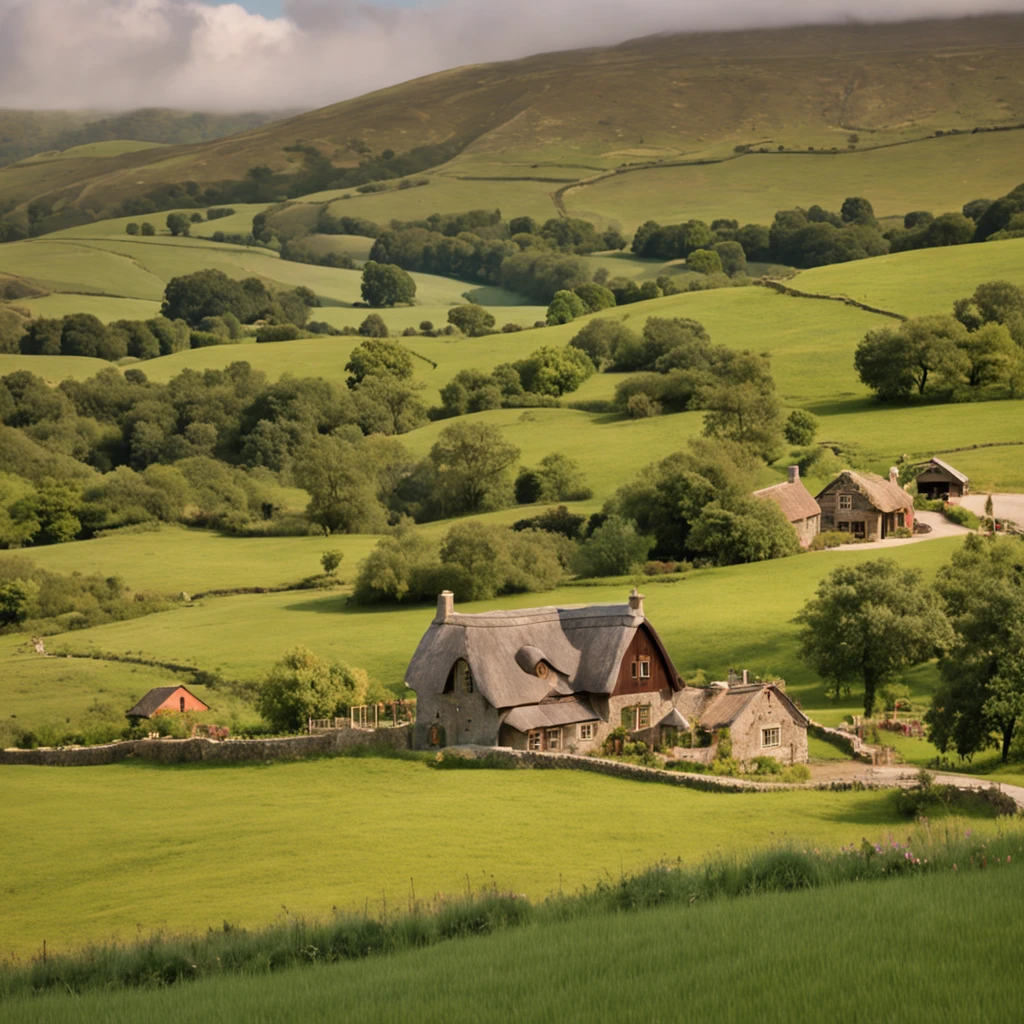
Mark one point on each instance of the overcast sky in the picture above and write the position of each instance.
(272, 54)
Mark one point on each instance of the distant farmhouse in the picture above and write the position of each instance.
(866, 505)
(166, 699)
(565, 678)
(939, 479)
(797, 504)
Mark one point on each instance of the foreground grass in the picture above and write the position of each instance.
(115, 851)
(546, 971)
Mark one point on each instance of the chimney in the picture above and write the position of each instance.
(636, 602)
(894, 475)
(794, 474)
(445, 606)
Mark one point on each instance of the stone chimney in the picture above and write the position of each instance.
(794, 474)
(894, 475)
(636, 602)
(445, 606)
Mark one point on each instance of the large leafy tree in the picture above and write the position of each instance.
(385, 284)
(981, 699)
(868, 622)
(472, 465)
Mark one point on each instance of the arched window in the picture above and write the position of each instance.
(463, 676)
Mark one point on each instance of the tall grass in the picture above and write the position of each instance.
(166, 959)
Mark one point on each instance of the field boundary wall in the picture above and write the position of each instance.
(783, 289)
(201, 749)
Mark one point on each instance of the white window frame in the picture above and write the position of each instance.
(585, 731)
(553, 738)
(534, 740)
(645, 668)
(845, 503)
(772, 732)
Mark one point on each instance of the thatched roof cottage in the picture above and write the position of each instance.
(866, 505)
(797, 504)
(558, 679)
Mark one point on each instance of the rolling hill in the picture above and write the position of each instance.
(558, 118)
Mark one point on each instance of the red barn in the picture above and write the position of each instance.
(166, 698)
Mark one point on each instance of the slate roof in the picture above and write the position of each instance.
(947, 468)
(584, 644)
(883, 494)
(797, 503)
(152, 701)
(541, 716)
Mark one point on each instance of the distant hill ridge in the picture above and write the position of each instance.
(574, 114)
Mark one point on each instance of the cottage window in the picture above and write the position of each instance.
(633, 669)
(181, 703)
(533, 741)
(771, 737)
(554, 739)
(464, 676)
(901, 519)
(645, 668)
(858, 529)
(844, 527)
(643, 716)
(845, 502)
(585, 731)
(669, 736)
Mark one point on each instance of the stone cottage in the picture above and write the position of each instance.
(564, 678)
(866, 505)
(797, 504)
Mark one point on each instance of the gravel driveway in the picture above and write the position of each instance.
(1005, 506)
(941, 527)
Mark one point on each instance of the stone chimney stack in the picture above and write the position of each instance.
(894, 475)
(636, 602)
(794, 474)
(445, 606)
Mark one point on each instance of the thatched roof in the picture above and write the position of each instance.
(550, 714)
(716, 706)
(883, 494)
(945, 467)
(794, 499)
(584, 644)
(152, 701)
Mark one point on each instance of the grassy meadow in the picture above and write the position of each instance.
(548, 971)
(382, 827)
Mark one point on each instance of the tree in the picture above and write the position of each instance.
(342, 489)
(615, 548)
(800, 428)
(373, 327)
(565, 306)
(601, 337)
(704, 261)
(869, 622)
(147, 229)
(893, 363)
(554, 371)
(857, 210)
(732, 257)
(474, 321)
(15, 597)
(560, 478)
(385, 284)
(178, 224)
(330, 560)
(82, 334)
(472, 465)
(949, 229)
(381, 356)
(131, 229)
(595, 297)
(51, 512)
(988, 353)
(301, 686)
(750, 531)
(748, 412)
(192, 297)
(982, 690)
(12, 330)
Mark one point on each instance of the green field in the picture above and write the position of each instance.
(80, 845)
(750, 189)
(921, 282)
(743, 970)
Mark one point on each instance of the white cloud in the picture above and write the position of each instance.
(118, 54)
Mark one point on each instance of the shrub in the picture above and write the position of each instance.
(961, 516)
(278, 332)
(641, 406)
(832, 539)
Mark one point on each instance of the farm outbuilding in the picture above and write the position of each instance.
(939, 480)
(797, 504)
(866, 505)
(563, 679)
(167, 699)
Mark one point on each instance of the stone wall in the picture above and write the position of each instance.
(168, 751)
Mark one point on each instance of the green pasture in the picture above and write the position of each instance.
(94, 853)
(743, 970)
(52, 368)
(174, 559)
(714, 619)
(751, 188)
(105, 307)
(920, 282)
(449, 194)
(59, 692)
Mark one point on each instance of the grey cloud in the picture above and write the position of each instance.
(117, 54)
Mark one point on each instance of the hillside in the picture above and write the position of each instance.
(565, 116)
